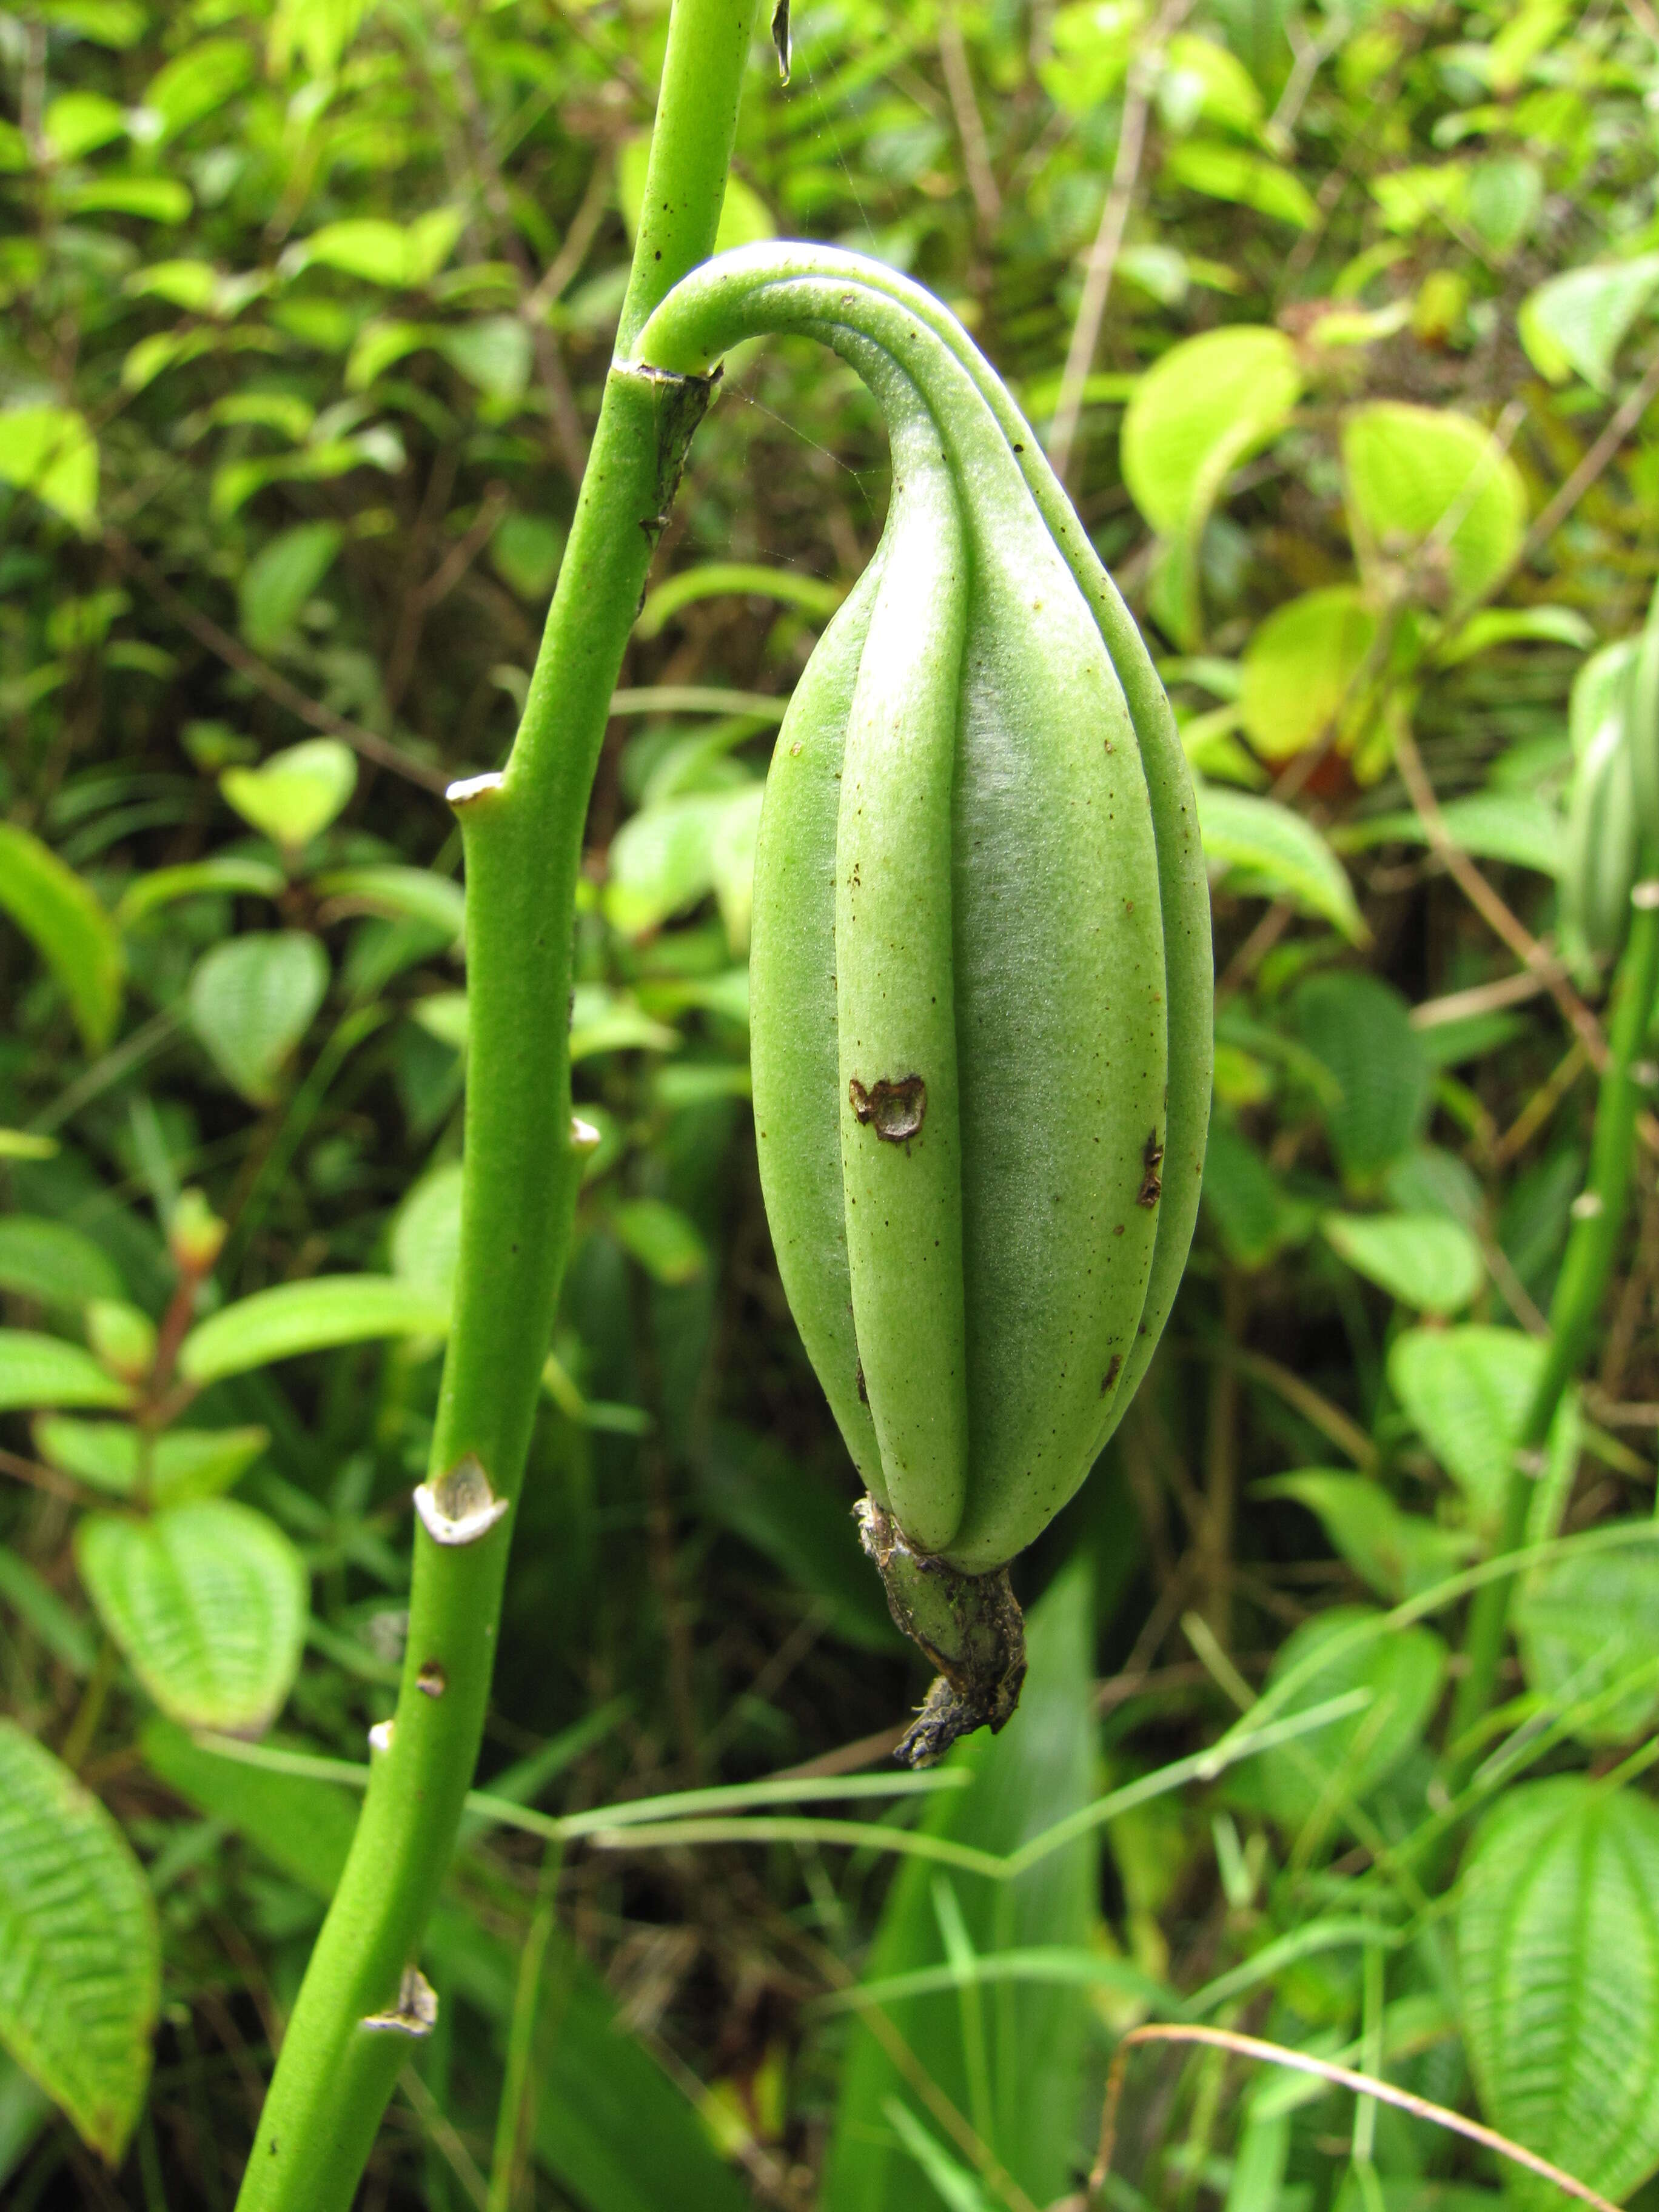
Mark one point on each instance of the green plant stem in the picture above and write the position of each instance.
(1592, 1247)
(522, 835)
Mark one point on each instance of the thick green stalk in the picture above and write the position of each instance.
(362, 1997)
(1592, 1247)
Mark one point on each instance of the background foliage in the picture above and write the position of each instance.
(1342, 321)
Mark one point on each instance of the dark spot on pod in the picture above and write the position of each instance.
(863, 1387)
(1111, 1374)
(432, 1681)
(1151, 1183)
(894, 1107)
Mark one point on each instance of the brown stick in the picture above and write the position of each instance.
(1341, 2077)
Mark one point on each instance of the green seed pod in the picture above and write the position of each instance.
(980, 977)
(1599, 864)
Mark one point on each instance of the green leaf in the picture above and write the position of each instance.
(426, 1235)
(803, 1523)
(1267, 851)
(493, 353)
(660, 1237)
(62, 919)
(401, 256)
(1586, 1622)
(50, 451)
(149, 199)
(668, 858)
(525, 552)
(309, 1316)
(64, 1634)
(1400, 1555)
(228, 875)
(1426, 484)
(80, 1955)
(1578, 321)
(1423, 1259)
(1228, 173)
(1301, 668)
(1361, 1029)
(53, 1263)
(1523, 828)
(1505, 194)
(44, 1370)
(251, 999)
(1494, 626)
(276, 585)
(1345, 1759)
(303, 1826)
(1014, 2066)
(193, 84)
(1558, 1956)
(207, 1601)
(603, 1021)
(78, 123)
(749, 579)
(183, 1464)
(383, 888)
(1244, 1201)
(1201, 410)
(1467, 1391)
(293, 796)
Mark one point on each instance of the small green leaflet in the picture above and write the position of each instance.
(68, 927)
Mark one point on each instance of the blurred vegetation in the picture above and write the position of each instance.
(1340, 323)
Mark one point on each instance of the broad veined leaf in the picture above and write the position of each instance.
(295, 795)
(68, 927)
(1345, 1759)
(53, 1263)
(1361, 1029)
(1301, 669)
(44, 1370)
(1467, 1391)
(1037, 1771)
(1267, 851)
(1426, 484)
(1424, 1260)
(149, 199)
(51, 452)
(1400, 1555)
(1590, 1620)
(251, 999)
(276, 585)
(80, 1954)
(177, 1466)
(308, 1316)
(1505, 194)
(1578, 321)
(1558, 1954)
(1199, 410)
(208, 1602)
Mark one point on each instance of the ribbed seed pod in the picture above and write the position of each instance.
(963, 1032)
(1600, 861)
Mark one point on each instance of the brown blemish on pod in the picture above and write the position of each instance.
(432, 1681)
(1151, 1182)
(894, 1107)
